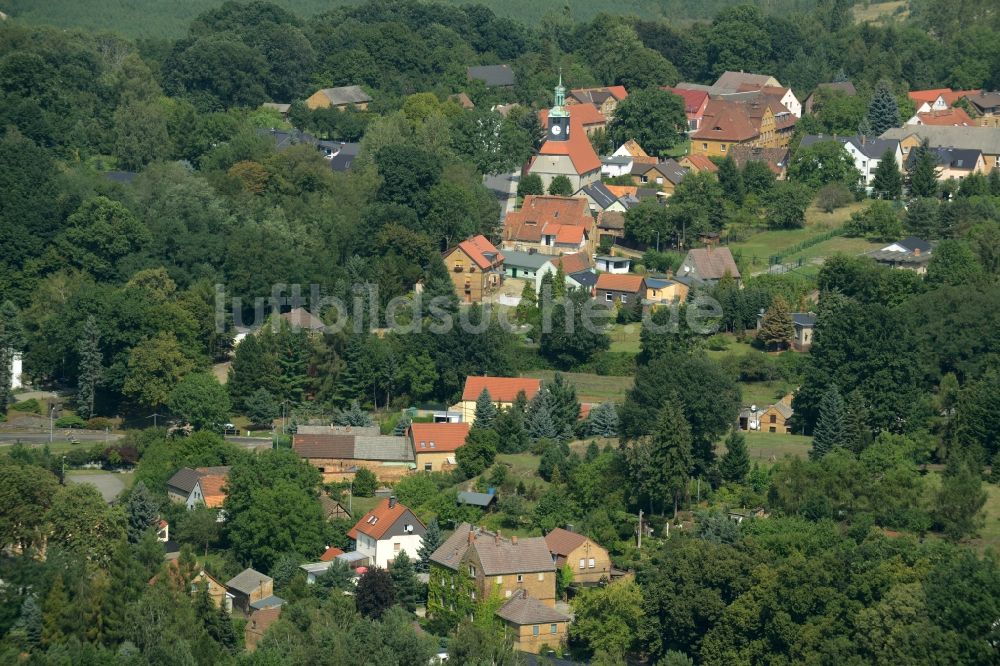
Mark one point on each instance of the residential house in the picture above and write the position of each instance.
(866, 153)
(610, 225)
(600, 198)
(217, 592)
(776, 159)
(699, 163)
(333, 509)
(342, 156)
(386, 531)
(729, 123)
(550, 225)
(475, 267)
(666, 175)
(251, 589)
(183, 483)
(708, 265)
(282, 109)
(589, 561)
(462, 100)
(532, 624)
(585, 280)
(494, 76)
(258, 624)
(987, 108)
(605, 99)
(695, 102)
(435, 444)
(631, 148)
(730, 82)
(209, 491)
(938, 99)
(957, 163)
(503, 391)
(845, 87)
(572, 263)
(616, 165)
(984, 139)
(620, 289)
(912, 254)
(955, 117)
(775, 418)
(567, 150)
(613, 265)
(910, 244)
(300, 318)
(531, 266)
(664, 290)
(340, 98)
(589, 117)
(804, 324)
(339, 456)
(331, 553)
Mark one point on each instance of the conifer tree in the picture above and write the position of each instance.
(142, 510)
(540, 424)
(89, 370)
(922, 171)
(405, 583)
(857, 435)
(603, 420)
(54, 612)
(431, 541)
(486, 410)
(731, 181)
(888, 181)
(883, 112)
(354, 416)
(777, 329)
(960, 499)
(402, 425)
(735, 464)
(31, 620)
(830, 424)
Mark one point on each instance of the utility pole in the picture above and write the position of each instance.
(639, 542)
(52, 411)
(154, 416)
(657, 240)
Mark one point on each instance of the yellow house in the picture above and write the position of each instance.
(588, 560)
(475, 267)
(532, 624)
(727, 124)
(339, 98)
(434, 444)
(503, 391)
(775, 418)
(665, 291)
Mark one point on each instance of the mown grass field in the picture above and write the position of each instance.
(878, 13)
(592, 388)
(625, 337)
(989, 534)
(768, 448)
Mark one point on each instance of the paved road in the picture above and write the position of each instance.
(59, 436)
(504, 185)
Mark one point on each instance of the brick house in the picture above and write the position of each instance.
(475, 267)
(338, 456)
(252, 589)
(588, 560)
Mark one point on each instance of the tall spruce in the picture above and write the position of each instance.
(777, 329)
(562, 401)
(731, 180)
(432, 541)
(31, 620)
(353, 416)
(486, 410)
(735, 463)
(922, 171)
(883, 111)
(540, 423)
(830, 431)
(603, 420)
(888, 181)
(857, 435)
(89, 369)
(660, 464)
(141, 510)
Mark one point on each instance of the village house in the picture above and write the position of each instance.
(666, 175)
(589, 561)
(386, 531)
(339, 456)
(956, 163)
(333, 509)
(331, 553)
(728, 123)
(494, 76)
(550, 225)
(708, 265)
(217, 592)
(631, 148)
(911, 253)
(503, 391)
(955, 117)
(699, 163)
(600, 198)
(340, 98)
(776, 159)
(695, 102)
(804, 324)
(775, 418)
(866, 153)
(605, 99)
(984, 139)
(530, 266)
(258, 624)
(610, 226)
(843, 87)
(938, 99)
(587, 115)
(615, 166)
(987, 108)
(620, 289)
(435, 444)
(614, 265)
(183, 486)
(475, 267)
(664, 290)
(474, 564)
(567, 150)
(253, 590)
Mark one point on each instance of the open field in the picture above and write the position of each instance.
(989, 534)
(768, 448)
(592, 388)
(625, 337)
(878, 12)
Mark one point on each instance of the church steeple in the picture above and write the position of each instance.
(558, 129)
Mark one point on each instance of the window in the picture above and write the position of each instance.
(624, 298)
(704, 146)
(428, 467)
(520, 578)
(507, 594)
(552, 628)
(499, 580)
(772, 429)
(774, 418)
(395, 547)
(591, 563)
(541, 576)
(472, 571)
(423, 445)
(432, 445)
(534, 630)
(608, 297)
(643, 179)
(583, 563)
(722, 147)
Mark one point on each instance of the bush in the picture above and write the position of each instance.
(98, 423)
(832, 197)
(70, 421)
(32, 405)
(717, 343)
(365, 482)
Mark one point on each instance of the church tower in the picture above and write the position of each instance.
(558, 129)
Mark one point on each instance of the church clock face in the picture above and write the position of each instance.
(557, 130)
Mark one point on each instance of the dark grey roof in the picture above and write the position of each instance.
(620, 160)
(986, 139)
(123, 177)
(184, 480)
(269, 602)
(522, 610)
(585, 278)
(497, 555)
(985, 101)
(804, 319)
(475, 499)
(287, 138)
(955, 158)
(657, 283)
(871, 148)
(382, 447)
(492, 75)
(912, 243)
(247, 581)
(529, 260)
(891, 257)
(344, 158)
(601, 195)
(846, 86)
(346, 95)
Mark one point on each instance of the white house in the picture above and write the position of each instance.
(386, 531)
(607, 264)
(792, 103)
(616, 165)
(866, 153)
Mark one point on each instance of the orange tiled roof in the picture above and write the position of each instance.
(211, 490)
(622, 190)
(587, 114)
(577, 147)
(573, 263)
(330, 553)
(477, 247)
(953, 116)
(619, 282)
(446, 437)
(693, 99)
(618, 92)
(701, 163)
(567, 234)
(501, 389)
(377, 522)
(928, 95)
(549, 214)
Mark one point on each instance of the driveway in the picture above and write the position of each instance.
(504, 185)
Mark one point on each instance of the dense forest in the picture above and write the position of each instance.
(140, 182)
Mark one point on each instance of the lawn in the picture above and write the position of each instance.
(625, 337)
(989, 534)
(592, 388)
(768, 448)
(763, 394)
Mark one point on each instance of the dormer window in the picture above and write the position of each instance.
(432, 445)
(423, 445)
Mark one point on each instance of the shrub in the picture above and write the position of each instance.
(98, 423)
(832, 197)
(31, 405)
(70, 421)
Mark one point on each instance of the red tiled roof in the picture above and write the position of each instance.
(577, 147)
(954, 116)
(618, 92)
(501, 389)
(211, 490)
(727, 121)
(477, 247)
(587, 114)
(445, 437)
(619, 282)
(701, 163)
(927, 95)
(548, 213)
(563, 542)
(567, 234)
(693, 99)
(330, 553)
(377, 522)
(573, 263)
(622, 190)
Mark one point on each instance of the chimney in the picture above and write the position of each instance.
(472, 536)
(916, 252)
(392, 501)
(513, 540)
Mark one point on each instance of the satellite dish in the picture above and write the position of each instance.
(753, 408)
